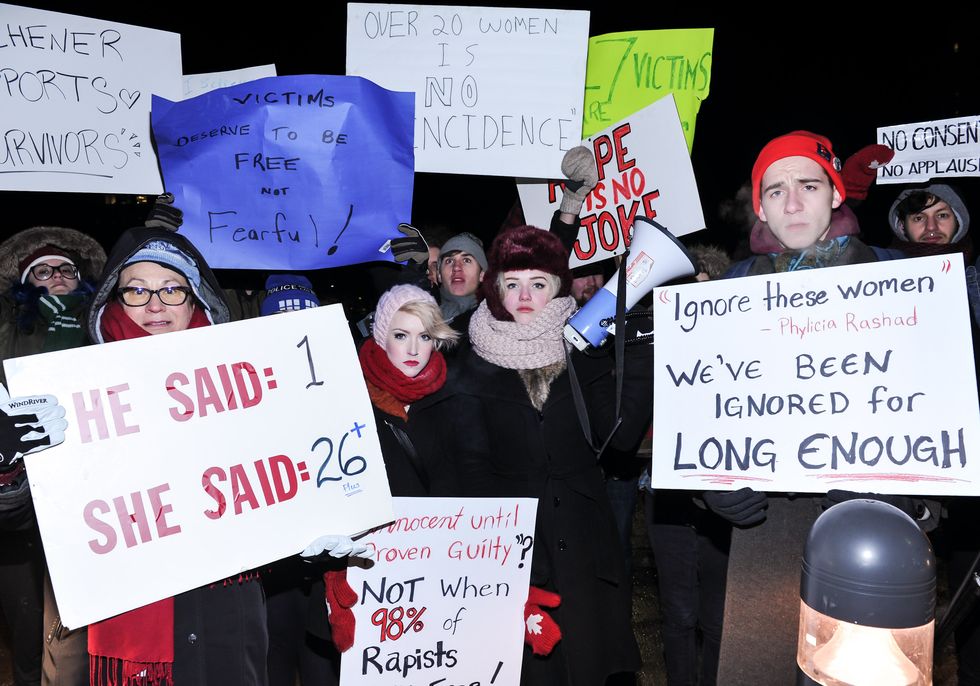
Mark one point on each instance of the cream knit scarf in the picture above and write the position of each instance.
(510, 345)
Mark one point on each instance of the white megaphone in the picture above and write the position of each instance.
(655, 257)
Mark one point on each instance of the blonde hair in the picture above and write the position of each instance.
(553, 280)
(443, 335)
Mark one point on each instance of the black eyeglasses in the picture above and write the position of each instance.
(43, 272)
(136, 296)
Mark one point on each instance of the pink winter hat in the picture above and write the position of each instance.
(392, 301)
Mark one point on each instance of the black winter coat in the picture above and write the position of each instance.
(502, 446)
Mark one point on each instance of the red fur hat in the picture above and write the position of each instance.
(520, 248)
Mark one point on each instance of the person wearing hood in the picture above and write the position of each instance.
(932, 220)
(47, 277)
(156, 283)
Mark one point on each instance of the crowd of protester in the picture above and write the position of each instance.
(476, 393)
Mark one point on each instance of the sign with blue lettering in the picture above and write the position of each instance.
(290, 172)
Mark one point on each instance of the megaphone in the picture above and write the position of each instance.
(655, 257)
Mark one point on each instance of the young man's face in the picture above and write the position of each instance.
(460, 273)
(936, 224)
(797, 199)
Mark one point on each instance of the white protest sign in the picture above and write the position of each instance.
(498, 91)
(444, 601)
(75, 96)
(644, 168)
(193, 456)
(195, 84)
(931, 149)
(858, 377)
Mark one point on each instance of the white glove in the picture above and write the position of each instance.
(28, 424)
(338, 546)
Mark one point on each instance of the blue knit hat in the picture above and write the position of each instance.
(287, 292)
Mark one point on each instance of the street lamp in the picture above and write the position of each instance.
(868, 599)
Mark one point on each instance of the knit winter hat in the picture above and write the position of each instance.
(944, 193)
(797, 144)
(392, 301)
(170, 256)
(287, 292)
(468, 243)
(518, 249)
(43, 254)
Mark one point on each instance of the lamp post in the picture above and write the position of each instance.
(868, 599)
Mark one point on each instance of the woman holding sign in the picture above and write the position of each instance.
(512, 429)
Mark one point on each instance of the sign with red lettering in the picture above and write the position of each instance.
(644, 168)
(448, 573)
(858, 378)
(196, 455)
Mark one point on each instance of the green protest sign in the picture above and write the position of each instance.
(628, 71)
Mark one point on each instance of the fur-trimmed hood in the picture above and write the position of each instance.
(91, 256)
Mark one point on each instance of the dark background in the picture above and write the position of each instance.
(826, 73)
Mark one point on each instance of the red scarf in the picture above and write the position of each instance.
(389, 389)
(135, 648)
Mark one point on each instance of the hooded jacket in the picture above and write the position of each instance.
(944, 193)
(131, 242)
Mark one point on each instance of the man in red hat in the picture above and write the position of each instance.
(796, 188)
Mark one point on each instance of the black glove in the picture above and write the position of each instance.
(743, 507)
(913, 507)
(412, 248)
(164, 215)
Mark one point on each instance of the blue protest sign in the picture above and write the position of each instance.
(289, 172)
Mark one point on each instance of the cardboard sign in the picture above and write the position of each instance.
(858, 377)
(75, 96)
(644, 169)
(931, 149)
(316, 171)
(498, 90)
(627, 71)
(195, 455)
(444, 601)
(195, 84)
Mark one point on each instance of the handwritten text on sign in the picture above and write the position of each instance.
(627, 71)
(931, 149)
(316, 171)
(252, 441)
(449, 573)
(857, 377)
(195, 84)
(644, 169)
(75, 96)
(497, 91)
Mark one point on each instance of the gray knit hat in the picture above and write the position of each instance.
(468, 243)
(944, 193)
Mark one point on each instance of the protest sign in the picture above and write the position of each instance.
(627, 71)
(291, 172)
(75, 96)
(931, 149)
(196, 455)
(644, 169)
(858, 377)
(449, 573)
(498, 90)
(195, 84)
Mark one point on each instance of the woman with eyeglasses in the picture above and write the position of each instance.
(156, 282)
(46, 274)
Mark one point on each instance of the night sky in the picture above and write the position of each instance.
(768, 77)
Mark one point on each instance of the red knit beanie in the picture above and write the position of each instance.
(518, 249)
(796, 144)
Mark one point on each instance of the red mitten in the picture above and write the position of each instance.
(540, 630)
(340, 599)
(861, 169)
